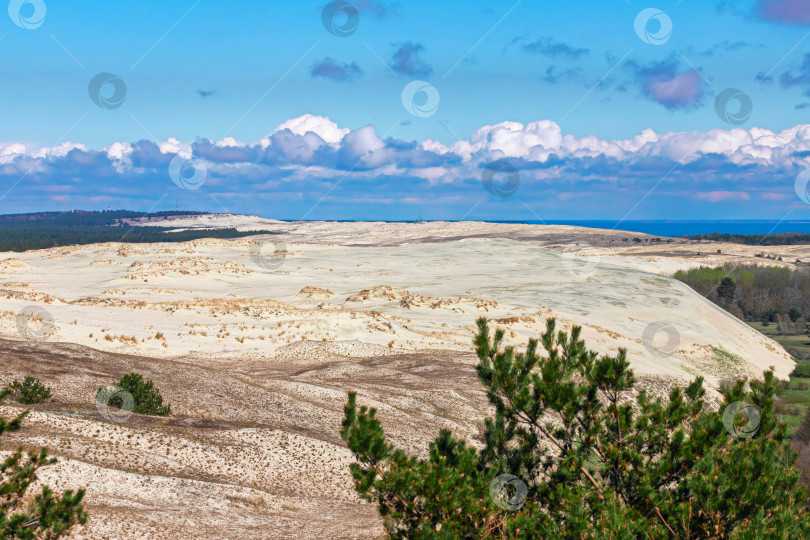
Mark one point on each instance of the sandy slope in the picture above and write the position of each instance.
(255, 341)
(245, 298)
(252, 450)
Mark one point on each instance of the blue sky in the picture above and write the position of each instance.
(282, 118)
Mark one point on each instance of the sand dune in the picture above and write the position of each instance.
(254, 342)
(216, 297)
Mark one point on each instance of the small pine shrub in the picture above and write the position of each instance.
(38, 513)
(147, 399)
(31, 391)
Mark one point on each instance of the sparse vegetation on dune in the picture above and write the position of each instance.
(44, 516)
(574, 451)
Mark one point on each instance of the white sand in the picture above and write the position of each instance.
(242, 299)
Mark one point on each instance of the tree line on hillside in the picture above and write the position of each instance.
(80, 218)
(20, 239)
(778, 239)
(753, 293)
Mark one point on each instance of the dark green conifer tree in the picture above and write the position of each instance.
(576, 450)
(726, 290)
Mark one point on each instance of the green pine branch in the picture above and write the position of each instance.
(597, 457)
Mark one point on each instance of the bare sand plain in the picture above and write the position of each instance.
(255, 341)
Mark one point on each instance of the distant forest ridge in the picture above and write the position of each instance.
(81, 218)
(41, 230)
(41, 238)
(779, 239)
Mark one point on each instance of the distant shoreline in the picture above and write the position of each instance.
(677, 229)
(667, 228)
